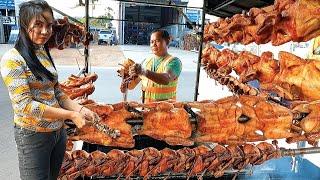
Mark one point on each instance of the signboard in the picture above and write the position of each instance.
(7, 4)
(10, 20)
(194, 15)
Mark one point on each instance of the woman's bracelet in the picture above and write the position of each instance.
(81, 109)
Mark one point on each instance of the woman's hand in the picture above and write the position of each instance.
(78, 119)
(88, 114)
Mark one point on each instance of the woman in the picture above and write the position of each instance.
(160, 72)
(40, 107)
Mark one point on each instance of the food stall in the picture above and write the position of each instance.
(233, 137)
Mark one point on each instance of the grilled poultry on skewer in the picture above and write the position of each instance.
(114, 117)
(163, 121)
(242, 119)
(150, 162)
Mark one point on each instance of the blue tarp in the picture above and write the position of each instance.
(7, 4)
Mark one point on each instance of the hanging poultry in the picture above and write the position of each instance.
(65, 33)
(76, 86)
(77, 81)
(290, 20)
(148, 162)
(166, 121)
(113, 116)
(123, 72)
(291, 77)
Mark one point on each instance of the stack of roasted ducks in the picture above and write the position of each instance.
(149, 162)
(291, 77)
(78, 87)
(286, 20)
(231, 120)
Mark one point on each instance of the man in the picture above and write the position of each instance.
(158, 73)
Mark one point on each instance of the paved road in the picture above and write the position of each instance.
(8, 153)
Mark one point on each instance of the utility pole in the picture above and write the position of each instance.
(1, 30)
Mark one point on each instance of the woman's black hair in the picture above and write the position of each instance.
(25, 46)
(164, 34)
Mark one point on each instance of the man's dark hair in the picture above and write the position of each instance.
(164, 34)
(24, 45)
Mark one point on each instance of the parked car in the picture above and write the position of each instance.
(106, 36)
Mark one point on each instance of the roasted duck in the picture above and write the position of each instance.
(66, 33)
(77, 87)
(78, 92)
(168, 122)
(77, 81)
(291, 77)
(150, 162)
(113, 116)
(290, 20)
(240, 119)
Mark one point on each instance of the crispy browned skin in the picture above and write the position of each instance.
(289, 20)
(76, 86)
(65, 33)
(291, 77)
(220, 121)
(114, 116)
(165, 122)
(192, 162)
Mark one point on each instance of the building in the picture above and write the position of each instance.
(7, 19)
(139, 19)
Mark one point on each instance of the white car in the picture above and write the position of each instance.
(105, 36)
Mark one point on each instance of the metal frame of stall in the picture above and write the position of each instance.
(170, 4)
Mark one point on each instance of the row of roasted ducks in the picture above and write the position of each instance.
(77, 87)
(149, 162)
(231, 120)
(286, 20)
(290, 77)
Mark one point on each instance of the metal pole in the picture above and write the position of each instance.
(86, 48)
(295, 152)
(199, 57)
